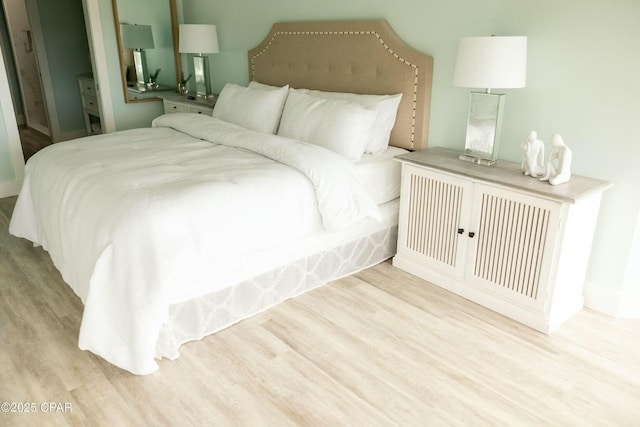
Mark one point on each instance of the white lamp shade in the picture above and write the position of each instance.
(198, 38)
(491, 62)
(136, 36)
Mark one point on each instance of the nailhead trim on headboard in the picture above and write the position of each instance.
(368, 33)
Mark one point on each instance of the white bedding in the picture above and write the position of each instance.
(140, 219)
(380, 174)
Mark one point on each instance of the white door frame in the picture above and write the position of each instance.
(10, 188)
(45, 73)
(91, 9)
(99, 63)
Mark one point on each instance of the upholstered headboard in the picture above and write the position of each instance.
(365, 57)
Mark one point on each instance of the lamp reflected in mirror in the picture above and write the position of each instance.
(147, 37)
(138, 38)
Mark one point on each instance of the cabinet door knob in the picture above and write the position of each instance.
(471, 234)
(460, 230)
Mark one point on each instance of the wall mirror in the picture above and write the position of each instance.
(147, 37)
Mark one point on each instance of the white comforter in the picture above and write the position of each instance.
(141, 219)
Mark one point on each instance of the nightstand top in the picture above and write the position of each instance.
(155, 91)
(504, 173)
(184, 99)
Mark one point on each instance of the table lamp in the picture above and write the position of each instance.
(489, 63)
(199, 39)
(138, 37)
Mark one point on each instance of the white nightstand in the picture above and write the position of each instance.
(175, 103)
(90, 106)
(494, 236)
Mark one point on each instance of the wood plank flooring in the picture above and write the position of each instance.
(32, 141)
(380, 348)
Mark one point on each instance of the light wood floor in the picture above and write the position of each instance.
(381, 348)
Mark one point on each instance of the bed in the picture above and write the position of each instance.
(174, 232)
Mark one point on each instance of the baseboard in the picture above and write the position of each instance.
(42, 129)
(8, 189)
(611, 302)
(20, 119)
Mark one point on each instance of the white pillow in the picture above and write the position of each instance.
(257, 107)
(256, 84)
(338, 125)
(387, 107)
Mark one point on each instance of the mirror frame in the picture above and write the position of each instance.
(173, 11)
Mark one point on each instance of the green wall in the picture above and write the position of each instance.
(583, 83)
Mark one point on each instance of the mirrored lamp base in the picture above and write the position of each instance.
(477, 160)
(482, 144)
(140, 64)
(201, 72)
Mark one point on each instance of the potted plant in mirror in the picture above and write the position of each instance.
(153, 79)
(182, 86)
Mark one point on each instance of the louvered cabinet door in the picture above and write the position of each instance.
(512, 248)
(494, 236)
(433, 212)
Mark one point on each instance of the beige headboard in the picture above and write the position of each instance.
(365, 57)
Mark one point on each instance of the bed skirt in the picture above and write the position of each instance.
(196, 318)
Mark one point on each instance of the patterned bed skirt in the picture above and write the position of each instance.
(196, 318)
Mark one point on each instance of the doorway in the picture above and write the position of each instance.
(59, 41)
(26, 65)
